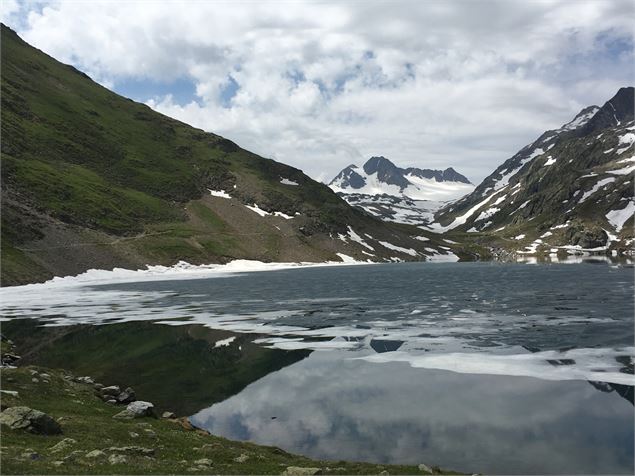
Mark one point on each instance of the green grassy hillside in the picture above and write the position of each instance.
(91, 179)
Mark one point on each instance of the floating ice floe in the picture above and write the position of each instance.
(590, 364)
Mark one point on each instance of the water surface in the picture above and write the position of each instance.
(481, 367)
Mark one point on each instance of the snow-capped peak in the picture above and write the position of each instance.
(581, 119)
(380, 176)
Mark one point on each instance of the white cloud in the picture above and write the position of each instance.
(321, 85)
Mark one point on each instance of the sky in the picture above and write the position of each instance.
(323, 84)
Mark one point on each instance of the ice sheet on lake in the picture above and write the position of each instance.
(432, 328)
(590, 364)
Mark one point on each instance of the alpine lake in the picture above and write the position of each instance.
(480, 367)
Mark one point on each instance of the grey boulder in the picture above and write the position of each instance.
(127, 396)
(138, 409)
(28, 419)
(301, 471)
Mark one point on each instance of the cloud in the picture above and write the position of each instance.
(321, 85)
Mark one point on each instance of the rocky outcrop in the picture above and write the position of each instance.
(301, 471)
(138, 409)
(28, 419)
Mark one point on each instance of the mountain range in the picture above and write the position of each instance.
(403, 195)
(91, 179)
(380, 176)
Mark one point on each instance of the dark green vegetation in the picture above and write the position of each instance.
(178, 368)
(178, 448)
(559, 189)
(94, 180)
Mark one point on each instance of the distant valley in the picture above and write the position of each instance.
(570, 192)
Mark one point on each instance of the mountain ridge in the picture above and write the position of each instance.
(402, 195)
(554, 183)
(389, 173)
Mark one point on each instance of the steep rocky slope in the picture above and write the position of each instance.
(571, 190)
(94, 180)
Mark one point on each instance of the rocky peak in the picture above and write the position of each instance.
(386, 171)
(616, 111)
(349, 178)
(447, 175)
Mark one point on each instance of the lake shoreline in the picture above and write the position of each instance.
(95, 439)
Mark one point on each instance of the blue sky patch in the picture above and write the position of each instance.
(183, 91)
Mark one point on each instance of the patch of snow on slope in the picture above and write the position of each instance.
(346, 258)
(522, 206)
(550, 161)
(504, 180)
(564, 225)
(487, 213)
(258, 210)
(531, 249)
(430, 189)
(580, 120)
(219, 193)
(263, 213)
(443, 258)
(358, 239)
(286, 181)
(624, 171)
(436, 227)
(617, 218)
(596, 187)
(628, 139)
(224, 342)
(390, 246)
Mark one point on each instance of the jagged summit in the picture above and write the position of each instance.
(381, 176)
(405, 195)
(615, 112)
